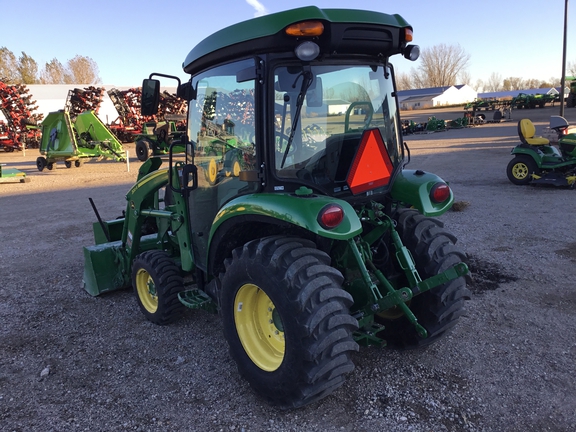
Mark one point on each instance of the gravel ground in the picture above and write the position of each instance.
(72, 362)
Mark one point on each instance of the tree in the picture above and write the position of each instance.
(24, 70)
(513, 83)
(465, 78)
(571, 69)
(553, 82)
(403, 81)
(27, 69)
(479, 86)
(55, 73)
(532, 83)
(83, 70)
(8, 66)
(441, 65)
(494, 83)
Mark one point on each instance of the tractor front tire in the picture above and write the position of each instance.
(143, 150)
(437, 310)
(286, 319)
(520, 170)
(157, 281)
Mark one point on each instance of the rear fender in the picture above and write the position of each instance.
(296, 210)
(521, 150)
(412, 187)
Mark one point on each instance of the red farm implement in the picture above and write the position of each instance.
(81, 100)
(20, 128)
(130, 121)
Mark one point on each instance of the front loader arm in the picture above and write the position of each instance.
(108, 264)
(142, 203)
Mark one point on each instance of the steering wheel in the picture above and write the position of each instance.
(281, 138)
(367, 118)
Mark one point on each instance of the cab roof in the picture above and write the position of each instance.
(260, 35)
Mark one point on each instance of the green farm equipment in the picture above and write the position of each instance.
(435, 125)
(308, 236)
(530, 101)
(155, 139)
(537, 161)
(571, 98)
(12, 175)
(74, 142)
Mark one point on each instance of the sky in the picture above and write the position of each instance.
(129, 39)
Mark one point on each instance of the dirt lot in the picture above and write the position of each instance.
(72, 362)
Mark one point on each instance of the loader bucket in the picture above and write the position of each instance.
(103, 270)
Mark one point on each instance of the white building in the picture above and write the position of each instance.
(436, 96)
(52, 97)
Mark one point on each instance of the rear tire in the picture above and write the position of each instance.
(520, 169)
(438, 309)
(157, 281)
(286, 320)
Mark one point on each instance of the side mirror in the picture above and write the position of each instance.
(314, 94)
(150, 97)
(186, 91)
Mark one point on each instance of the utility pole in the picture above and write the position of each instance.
(563, 79)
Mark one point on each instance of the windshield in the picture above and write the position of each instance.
(321, 113)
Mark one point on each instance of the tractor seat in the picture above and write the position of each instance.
(526, 132)
(149, 128)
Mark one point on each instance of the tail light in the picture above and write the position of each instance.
(440, 192)
(330, 216)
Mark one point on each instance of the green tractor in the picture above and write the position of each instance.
(156, 138)
(319, 240)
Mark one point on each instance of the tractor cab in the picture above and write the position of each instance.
(308, 109)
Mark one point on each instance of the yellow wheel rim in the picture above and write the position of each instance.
(520, 171)
(146, 290)
(212, 170)
(236, 169)
(392, 313)
(259, 327)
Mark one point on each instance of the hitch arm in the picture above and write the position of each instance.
(397, 298)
